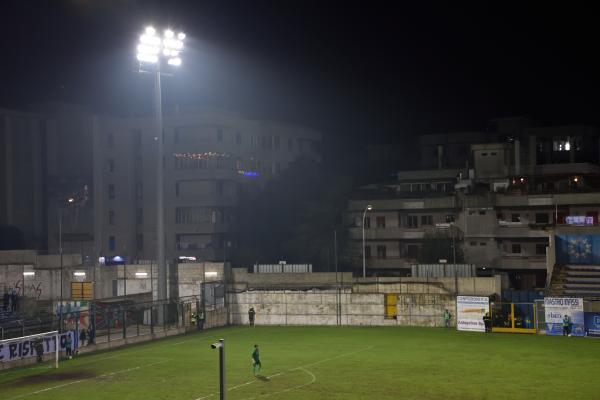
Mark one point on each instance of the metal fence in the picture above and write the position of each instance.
(105, 321)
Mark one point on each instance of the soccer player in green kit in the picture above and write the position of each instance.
(256, 359)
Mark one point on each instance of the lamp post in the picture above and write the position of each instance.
(368, 208)
(450, 226)
(221, 346)
(152, 51)
(70, 200)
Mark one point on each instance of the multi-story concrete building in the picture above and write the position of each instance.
(502, 205)
(108, 165)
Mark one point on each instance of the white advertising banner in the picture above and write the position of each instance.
(470, 311)
(23, 348)
(556, 308)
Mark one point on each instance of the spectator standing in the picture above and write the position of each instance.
(82, 337)
(447, 318)
(251, 316)
(69, 346)
(6, 300)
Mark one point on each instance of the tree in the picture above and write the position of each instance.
(11, 238)
(438, 246)
(293, 218)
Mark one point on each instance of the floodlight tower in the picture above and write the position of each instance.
(153, 51)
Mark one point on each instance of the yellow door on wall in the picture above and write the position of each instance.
(81, 290)
(391, 306)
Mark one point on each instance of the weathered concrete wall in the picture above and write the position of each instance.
(419, 302)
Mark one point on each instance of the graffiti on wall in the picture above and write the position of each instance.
(29, 289)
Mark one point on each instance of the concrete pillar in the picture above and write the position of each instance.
(8, 162)
(517, 157)
(532, 153)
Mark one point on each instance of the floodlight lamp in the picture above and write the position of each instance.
(147, 58)
(150, 31)
(181, 36)
(70, 200)
(145, 49)
(174, 61)
(169, 34)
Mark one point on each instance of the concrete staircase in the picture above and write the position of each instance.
(576, 281)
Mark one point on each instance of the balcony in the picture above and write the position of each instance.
(519, 230)
(388, 233)
(202, 228)
(517, 261)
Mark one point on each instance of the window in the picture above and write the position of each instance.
(110, 140)
(516, 248)
(290, 144)
(139, 216)
(561, 143)
(381, 251)
(542, 218)
(515, 217)
(481, 212)
(111, 165)
(484, 154)
(219, 135)
(493, 153)
(183, 162)
(473, 243)
(367, 222)
(540, 249)
(412, 251)
(380, 221)
(449, 218)
(140, 241)
(112, 243)
(412, 221)
(139, 190)
(482, 243)
(367, 251)
(219, 188)
(426, 219)
(111, 217)
(500, 216)
(238, 138)
(111, 191)
(276, 142)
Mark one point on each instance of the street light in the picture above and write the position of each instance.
(70, 200)
(450, 226)
(369, 208)
(153, 51)
(221, 346)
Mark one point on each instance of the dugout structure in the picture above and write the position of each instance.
(513, 317)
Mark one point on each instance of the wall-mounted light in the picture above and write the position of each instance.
(141, 274)
(28, 273)
(210, 274)
(79, 273)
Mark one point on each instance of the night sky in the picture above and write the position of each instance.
(346, 68)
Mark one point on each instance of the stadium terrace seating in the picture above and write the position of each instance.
(577, 281)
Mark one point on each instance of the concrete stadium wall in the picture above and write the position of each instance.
(320, 308)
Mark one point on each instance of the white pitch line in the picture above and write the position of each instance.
(302, 367)
(87, 379)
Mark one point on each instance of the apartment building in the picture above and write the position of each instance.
(107, 166)
(502, 205)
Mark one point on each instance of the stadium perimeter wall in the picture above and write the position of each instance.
(362, 302)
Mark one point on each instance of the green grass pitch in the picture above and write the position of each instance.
(325, 363)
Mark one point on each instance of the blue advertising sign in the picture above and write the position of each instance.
(592, 324)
